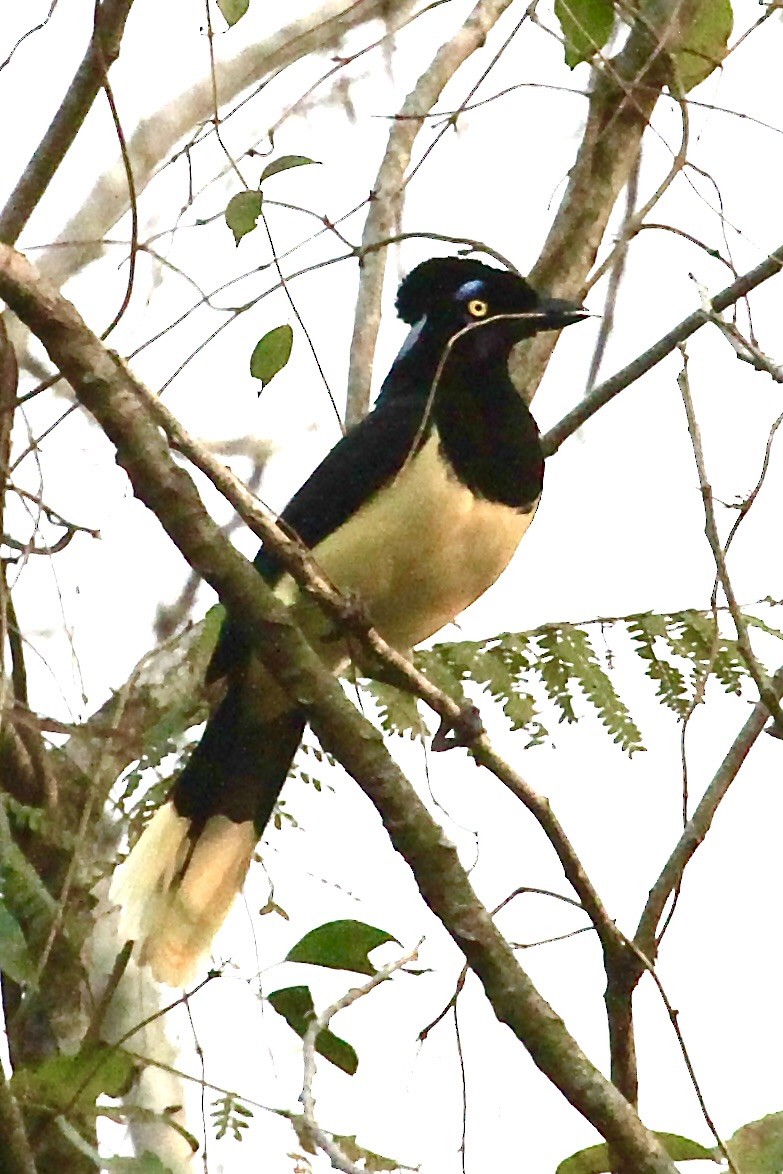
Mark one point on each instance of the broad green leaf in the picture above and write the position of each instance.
(242, 213)
(757, 1148)
(271, 354)
(295, 1004)
(15, 960)
(285, 163)
(703, 45)
(233, 10)
(341, 945)
(587, 26)
(96, 1071)
(595, 1159)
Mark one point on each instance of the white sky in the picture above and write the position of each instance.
(620, 529)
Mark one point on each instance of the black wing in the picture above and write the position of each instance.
(351, 474)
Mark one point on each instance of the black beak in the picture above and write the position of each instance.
(555, 313)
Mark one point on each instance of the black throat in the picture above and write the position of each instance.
(487, 433)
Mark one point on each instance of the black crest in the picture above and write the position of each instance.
(435, 282)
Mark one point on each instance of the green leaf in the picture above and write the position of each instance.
(230, 1115)
(242, 213)
(285, 163)
(398, 711)
(233, 10)
(703, 44)
(100, 1070)
(341, 945)
(271, 353)
(757, 1148)
(295, 1004)
(15, 960)
(587, 26)
(595, 1159)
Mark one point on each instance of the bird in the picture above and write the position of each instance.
(415, 512)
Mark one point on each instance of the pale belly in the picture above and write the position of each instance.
(420, 553)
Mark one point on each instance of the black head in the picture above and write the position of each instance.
(445, 295)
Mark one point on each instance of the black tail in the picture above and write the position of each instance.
(180, 880)
(239, 766)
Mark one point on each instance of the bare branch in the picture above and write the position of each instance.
(606, 391)
(103, 49)
(318, 1023)
(745, 350)
(80, 240)
(766, 692)
(385, 212)
(700, 822)
(625, 91)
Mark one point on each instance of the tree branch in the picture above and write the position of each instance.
(606, 391)
(386, 204)
(102, 51)
(699, 824)
(80, 240)
(625, 92)
(766, 692)
(107, 391)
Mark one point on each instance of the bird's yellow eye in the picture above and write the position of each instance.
(478, 308)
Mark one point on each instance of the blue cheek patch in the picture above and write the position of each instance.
(471, 289)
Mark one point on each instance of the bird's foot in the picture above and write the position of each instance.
(354, 618)
(463, 730)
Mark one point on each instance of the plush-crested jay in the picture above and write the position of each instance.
(416, 512)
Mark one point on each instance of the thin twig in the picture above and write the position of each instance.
(322, 30)
(606, 391)
(387, 193)
(766, 692)
(700, 822)
(310, 1040)
(103, 49)
(635, 217)
(134, 211)
(616, 263)
(674, 1020)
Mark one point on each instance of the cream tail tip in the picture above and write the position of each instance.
(174, 918)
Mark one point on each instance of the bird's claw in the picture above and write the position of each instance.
(463, 730)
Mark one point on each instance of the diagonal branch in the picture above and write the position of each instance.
(108, 392)
(383, 218)
(606, 391)
(80, 240)
(398, 669)
(624, 94)
(766, 692)
(699, 824)
(102, 51)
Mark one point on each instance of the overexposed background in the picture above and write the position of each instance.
(619, 530)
